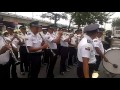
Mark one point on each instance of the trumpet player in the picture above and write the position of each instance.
(35, 44)
(52, 41)
(4, 57)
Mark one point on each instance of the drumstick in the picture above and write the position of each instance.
(114, 65)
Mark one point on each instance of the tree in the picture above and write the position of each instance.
(72, 14)
(54, 16)
(86, 18)
(116, 22)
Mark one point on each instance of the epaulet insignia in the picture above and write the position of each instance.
(87, 48)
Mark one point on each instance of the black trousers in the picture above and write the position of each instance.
(45, 56)
(51, 64)
(13, 66)
(24, 59)
(35, 64)
(59, 49)
(98, 58)
(5, 71)
(80, 72)
(64, 56)
(72, 56)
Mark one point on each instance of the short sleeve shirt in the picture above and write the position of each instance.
(34, 41)
(4, 58)
(49, 39)
(86, 49)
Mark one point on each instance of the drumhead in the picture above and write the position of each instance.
(113, 55)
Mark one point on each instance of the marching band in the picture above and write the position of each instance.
(44, 45)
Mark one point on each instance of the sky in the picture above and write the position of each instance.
(64, 22)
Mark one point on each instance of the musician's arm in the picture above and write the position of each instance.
(20, 42)
(57, 40)
(3, 50)
(32, 49)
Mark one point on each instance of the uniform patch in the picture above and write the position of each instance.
(28, 33)
(87, 48)
(88, 41)
(48, 37)
(95, 40)
(26, 38)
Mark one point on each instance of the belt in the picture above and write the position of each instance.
(36, 53)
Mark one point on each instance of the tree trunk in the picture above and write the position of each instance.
(55, 20)
(78, 26)
(69, 24)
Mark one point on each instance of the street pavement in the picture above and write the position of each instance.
(71, 74)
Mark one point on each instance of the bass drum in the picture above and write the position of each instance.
(113, 55)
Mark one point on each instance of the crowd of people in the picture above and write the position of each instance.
(45, 44)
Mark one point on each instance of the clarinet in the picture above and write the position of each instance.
(49, 47)
(13, 55)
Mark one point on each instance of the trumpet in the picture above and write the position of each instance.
(11, 50)
(49, 47)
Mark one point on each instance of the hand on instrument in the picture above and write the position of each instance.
(60, 33)
(42, 43)
(6, 46)
(106, 60)
(71, 35)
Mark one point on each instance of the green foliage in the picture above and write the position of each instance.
(54, 16)
(84, 18)
(116, 22)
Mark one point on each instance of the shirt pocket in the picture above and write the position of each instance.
(34, 40)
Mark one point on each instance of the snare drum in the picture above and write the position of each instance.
(113, 55)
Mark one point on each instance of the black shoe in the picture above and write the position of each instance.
(67, 70)
(62, 73)
(69, 67)
(22, 73)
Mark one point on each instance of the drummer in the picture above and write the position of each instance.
(86, 52)
(99, 50)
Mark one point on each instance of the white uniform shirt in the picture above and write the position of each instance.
(14, 42)
(98, 43)
(62, 42)
(73, 41)
(49, 38)
(86, 49)
(4, 58)
(23, 38)
(34, 41)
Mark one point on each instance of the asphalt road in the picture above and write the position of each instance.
(42, 74)
(71, 74)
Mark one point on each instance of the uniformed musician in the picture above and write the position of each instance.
(65, 39)
(4, 56)
(45, 51)
(52, 41)
(99, 49)
(35, 45)
(24, 65)
(15, 41)
(86, 52)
